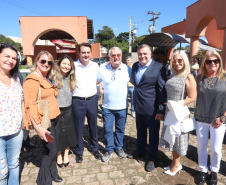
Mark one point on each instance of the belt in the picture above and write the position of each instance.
(83, 98)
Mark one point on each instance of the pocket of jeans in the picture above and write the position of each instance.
(3, 168)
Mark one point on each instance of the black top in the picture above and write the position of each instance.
(211, 99)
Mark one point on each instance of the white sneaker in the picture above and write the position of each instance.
(133, 114)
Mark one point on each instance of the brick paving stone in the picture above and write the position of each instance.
(102, 176)
(74, 179)
(108, 168)
(122, 181)
(94, 170)
(79, 171)
(138, 179)
(107, 182)
(65, 173)
(116, 174)
(93, 183)
(89, 178)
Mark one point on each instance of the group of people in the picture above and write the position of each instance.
(70, 88)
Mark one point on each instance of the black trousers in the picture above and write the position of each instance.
(89, 109)
(48, 169)
(142, 123)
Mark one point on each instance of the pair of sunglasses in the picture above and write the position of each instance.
(50, 63)
(216, 61)
(178, 60)
(117, 55)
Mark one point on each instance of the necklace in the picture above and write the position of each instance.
(211, 83)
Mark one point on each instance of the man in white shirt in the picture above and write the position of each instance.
(84, 100)
(115, 77)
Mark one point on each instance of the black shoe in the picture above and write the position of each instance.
(97, 154)
(60, 165)
(58, 179)
(66, 164)
(135, 155)
(213, 179)
(201, 178)
(150, 166)
(79, 158)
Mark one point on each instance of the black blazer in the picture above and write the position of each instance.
(150, 93)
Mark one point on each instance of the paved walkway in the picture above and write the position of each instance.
(117, 171)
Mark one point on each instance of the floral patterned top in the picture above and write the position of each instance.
(10, 107)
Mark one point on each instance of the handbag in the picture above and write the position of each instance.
(43, 107)
(187, 124)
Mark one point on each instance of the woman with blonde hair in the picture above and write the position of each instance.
(41, 78)
(181, 86)
(210, 114)
(66, 83)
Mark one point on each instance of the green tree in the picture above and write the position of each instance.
(4, 39)
(124, 36)
(105, 34)
(136, 42)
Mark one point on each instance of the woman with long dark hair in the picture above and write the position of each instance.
(66, 83)
(11, 97)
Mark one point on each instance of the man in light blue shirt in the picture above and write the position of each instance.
(114, 77)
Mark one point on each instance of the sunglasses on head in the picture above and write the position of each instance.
(114, 56)
(216, 61)
(49, 62)
(178, 60)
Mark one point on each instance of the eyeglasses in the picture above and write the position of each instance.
(216, 61)
(178, 60)
(114, 56)
(49, 62)
(5, 44)
(113, 75)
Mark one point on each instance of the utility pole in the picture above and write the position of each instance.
(152, 29)
(130, 50)
(130, 33)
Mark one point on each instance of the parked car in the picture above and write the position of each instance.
(99, 61)
(25, 72)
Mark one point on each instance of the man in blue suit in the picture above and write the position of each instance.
(149, 79)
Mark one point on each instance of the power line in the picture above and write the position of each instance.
(22, 7)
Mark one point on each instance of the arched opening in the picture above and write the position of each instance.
(57, 42)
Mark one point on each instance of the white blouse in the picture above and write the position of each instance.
(10, 107)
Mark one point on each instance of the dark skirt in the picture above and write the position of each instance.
(68, 136)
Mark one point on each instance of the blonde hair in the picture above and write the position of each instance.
(220, 71)
(186, 69)
(51, 72)
(71, 80)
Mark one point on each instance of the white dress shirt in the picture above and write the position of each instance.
(86, 78)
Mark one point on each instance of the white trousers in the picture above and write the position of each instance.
(216, 140)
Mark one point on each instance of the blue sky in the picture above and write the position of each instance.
(114, 14)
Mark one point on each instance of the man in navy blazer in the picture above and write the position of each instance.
(149, 79)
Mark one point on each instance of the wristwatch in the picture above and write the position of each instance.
(223, 118)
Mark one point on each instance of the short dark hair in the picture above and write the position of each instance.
(143, 46)
(84, 44)
(15, 70)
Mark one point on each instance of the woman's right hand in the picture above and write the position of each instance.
(166, 107)
(42, 132)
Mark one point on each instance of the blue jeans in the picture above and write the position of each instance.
(114, 141)
(10, 147)
(130, 91)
